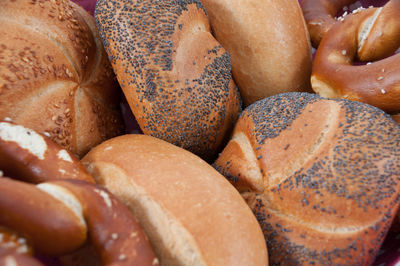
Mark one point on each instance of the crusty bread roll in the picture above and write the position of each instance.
(322, 176)
(268, 42)
(54, 74)
(174, 74)
(191, 214)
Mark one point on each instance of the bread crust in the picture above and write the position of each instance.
(320, 16)
(175, 75)
(55, 76)
(24, 208)
(191, 214)
(335, 76)
(328, 185)
(35, 158)
(268, 42)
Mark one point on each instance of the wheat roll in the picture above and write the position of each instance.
(191, 214)
(268, 42)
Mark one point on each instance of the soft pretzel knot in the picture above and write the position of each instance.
(363, 33)
(58, 215)
(34, 157)
(379, 34)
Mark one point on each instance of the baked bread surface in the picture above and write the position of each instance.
(322, 176)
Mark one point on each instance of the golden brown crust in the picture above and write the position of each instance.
(319, 16)
(114, 232)
(383, 37)
(61, 209)
(27, 210)
(55, 217)
(382, 30)
(174, 74)
(18, 260)
(55, 74)
(190, 212)
(328, 171)
(268, 42)
(35, 158)
(334, 76)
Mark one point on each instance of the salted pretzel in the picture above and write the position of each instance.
(35, 158)
(320, 16)
(376, 83)
(58, 215)
(382, 30)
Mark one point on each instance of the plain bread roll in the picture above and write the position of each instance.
(191, 213)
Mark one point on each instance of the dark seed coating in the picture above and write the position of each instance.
(192, 107)
(336, 207)
(272, 116)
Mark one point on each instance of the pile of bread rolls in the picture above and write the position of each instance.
(239, 162)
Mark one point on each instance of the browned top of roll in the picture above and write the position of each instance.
(174, 74)
(268, 42)
(54, 74)
(191, 214)
(321, 175)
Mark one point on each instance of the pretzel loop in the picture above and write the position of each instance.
(58, 215)
(376, 83)
(379, 35)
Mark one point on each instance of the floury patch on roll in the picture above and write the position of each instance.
(191, 214)
(54, 74)
(174, 74)
(322, 176)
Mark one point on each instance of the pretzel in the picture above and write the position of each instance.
(375, 83)
(25, 153)
(382, 30)
(17, 259)
(320, 16)
(59, 215)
